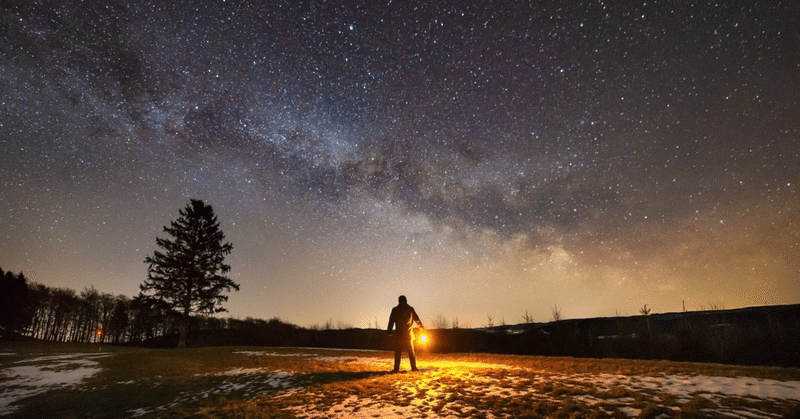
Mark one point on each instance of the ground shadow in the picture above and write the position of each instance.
(330, 377)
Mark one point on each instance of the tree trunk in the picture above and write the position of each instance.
(184, 330)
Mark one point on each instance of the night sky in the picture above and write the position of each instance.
(482, 159)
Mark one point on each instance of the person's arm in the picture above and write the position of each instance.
(391, 323)
(416, 318)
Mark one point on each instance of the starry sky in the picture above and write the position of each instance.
(486, 159)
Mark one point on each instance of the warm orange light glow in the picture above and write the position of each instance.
(99, 332)
(423, 338)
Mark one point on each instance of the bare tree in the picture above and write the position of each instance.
(528, 317)
(490, 320)
(118, 322)
(556, 313)
(646, 313)
(440, 322)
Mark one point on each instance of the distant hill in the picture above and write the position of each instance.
(767, 335)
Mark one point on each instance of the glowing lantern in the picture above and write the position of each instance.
(422, 336)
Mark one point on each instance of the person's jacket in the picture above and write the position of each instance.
(404, 317)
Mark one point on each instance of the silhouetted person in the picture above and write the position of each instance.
(404, 316)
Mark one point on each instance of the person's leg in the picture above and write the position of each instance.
(398, 348)
(412, 357)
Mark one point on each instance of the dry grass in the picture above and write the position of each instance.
(567, 365)
(254, 383)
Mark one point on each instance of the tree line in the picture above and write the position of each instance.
(756, 335)
(64, 315)
(32, 310)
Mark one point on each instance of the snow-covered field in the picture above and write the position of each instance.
(443, 388)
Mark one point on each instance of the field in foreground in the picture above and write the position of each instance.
(248, 382)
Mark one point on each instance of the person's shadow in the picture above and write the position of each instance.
(329, 377)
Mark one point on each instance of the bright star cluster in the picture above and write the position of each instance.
(485, 159)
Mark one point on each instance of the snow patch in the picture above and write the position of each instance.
(37, 375)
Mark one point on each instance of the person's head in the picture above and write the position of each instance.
(402, 300)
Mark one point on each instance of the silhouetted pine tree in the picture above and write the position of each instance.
(188, 275)
(15, 305)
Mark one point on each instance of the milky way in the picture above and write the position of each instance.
(485, 160)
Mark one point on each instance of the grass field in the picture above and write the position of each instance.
(86, 381)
